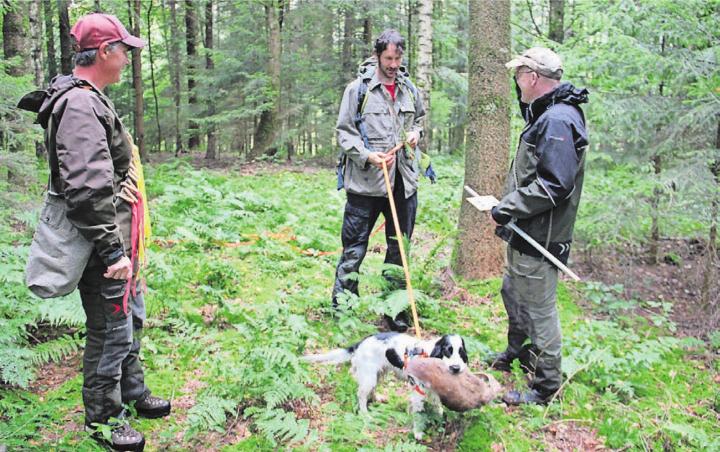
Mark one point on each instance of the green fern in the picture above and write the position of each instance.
(279, 426)
(210, 413)
(57, 349)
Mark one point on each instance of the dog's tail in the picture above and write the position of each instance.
(337, 356)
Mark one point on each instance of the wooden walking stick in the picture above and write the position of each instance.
(398, 234)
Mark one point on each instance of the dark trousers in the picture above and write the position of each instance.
(112, 371)
(361, 213)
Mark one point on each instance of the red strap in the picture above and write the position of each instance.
(418, 390)
(137, 233)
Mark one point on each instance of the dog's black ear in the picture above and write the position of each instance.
(437, 351)
(393, 358)
(463, 352)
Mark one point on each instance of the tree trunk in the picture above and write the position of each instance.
(48, 12)
(367, 32)
(425, 63)
(654, 251)
(210, 66)
(709, 275)
(478, 252)
(267, 129)
(139, 119)
(66, 51)
(556, 25)
(152, 73)
(36, 37)
(15, 39)
(174, 57)
(96, 7)
(191, 39)
(347, 47)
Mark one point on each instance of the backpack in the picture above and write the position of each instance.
(365, 77)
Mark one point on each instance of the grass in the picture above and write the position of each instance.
(239, 277)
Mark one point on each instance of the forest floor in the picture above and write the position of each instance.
(239, 275)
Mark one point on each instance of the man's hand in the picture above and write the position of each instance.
(412, 139)
(121, 269)
(376, 159)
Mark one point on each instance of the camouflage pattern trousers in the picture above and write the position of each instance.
(361, 213)
(112, 371)
(529, 294)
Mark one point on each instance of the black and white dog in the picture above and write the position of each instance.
(374, 356)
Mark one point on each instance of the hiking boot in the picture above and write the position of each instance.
(152, 407)
(531, 396)
(502, 360)
(122, 437)
(399, 324)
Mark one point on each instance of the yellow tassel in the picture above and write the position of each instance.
(141, 188)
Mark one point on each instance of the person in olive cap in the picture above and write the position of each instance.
(542, 194)
(89, 154)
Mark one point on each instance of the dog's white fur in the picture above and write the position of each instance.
(370, 361)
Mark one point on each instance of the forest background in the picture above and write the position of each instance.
(232, 89)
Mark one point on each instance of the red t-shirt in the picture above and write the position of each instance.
(391, 90)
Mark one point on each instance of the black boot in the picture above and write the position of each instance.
(502, 360)
(531, 396)
(122, 437)
(152, 407)
(400, 323)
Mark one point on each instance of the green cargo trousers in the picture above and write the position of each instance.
(112, 371)
(529, 294)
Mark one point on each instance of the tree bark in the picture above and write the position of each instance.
(478, 252)
(347, 47)
(139, 119)
(36, 36)
(367, 32)
(267, 129)
(66, 51)
(210, 66)
(654, 251)
(15, 39)
(556, 25)
(48, 12)
(425, 63)
(152, 73)
(191, 39)
(174, 57)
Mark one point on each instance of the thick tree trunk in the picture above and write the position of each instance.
(191, 39)
(174, 58)
(478, 252)
(36, 38)
(48, 12)
(268, 128)
(152, 73)
(210, 66)
(139, 120)
(66, 51)
(425, 63)
(15, 38)
(556, 25)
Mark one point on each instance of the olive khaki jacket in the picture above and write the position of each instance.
(386, 122)
(89, 155)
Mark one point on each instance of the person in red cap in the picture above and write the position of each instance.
(89, 154)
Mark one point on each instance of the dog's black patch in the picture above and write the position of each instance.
(463, 353)
(393, 358)
(383, 337)
(442, 348)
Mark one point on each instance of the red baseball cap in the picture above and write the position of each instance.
(94, 29)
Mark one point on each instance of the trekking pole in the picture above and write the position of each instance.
(521, 233)
(399, 237)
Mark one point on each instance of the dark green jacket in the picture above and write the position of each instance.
(543, 187)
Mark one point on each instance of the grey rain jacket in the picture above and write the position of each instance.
(543, 187)
(386, 123)
(89, 155)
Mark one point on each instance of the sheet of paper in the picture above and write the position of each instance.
(483, 202)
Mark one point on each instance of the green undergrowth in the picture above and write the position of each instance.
(239, 276)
